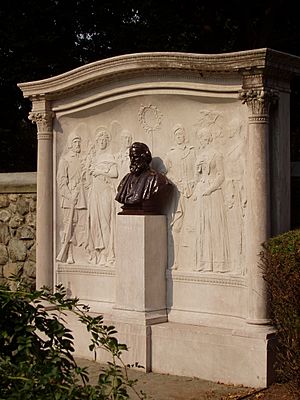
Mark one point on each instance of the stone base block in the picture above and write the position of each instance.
(138, 340)
(243, 356)
(137, 337)
(231, 356)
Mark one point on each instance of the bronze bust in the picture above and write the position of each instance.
(143, 190)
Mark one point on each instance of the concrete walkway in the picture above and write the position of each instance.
(170, 387)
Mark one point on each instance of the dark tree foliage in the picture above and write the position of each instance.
(40, 39)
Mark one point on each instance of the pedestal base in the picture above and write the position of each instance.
(241, 357)
(244, 356)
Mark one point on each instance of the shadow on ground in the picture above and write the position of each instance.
(170, 387)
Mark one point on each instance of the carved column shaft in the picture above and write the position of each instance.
(42, 116)
(258, 209)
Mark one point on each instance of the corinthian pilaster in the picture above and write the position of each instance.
(259, 101)
(42, 116)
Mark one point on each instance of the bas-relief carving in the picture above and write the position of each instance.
(212, 243)
(122, 157)
(87, 182)
(210, 200)
(150, 117)
(101, 169)
(73, 199)
(206, 165)
(235, 192)
(180, 163)
(86, 188)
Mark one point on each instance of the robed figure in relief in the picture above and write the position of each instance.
(180, 164)
(102, 170)
(212, 249)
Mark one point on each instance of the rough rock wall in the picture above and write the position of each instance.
(17, 225)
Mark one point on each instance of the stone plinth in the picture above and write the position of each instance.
(141, 261)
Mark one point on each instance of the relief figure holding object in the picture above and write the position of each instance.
(102, 170)
(70, 175)
(180, 162)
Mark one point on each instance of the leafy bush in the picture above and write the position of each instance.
(36, 349)
(281, 270)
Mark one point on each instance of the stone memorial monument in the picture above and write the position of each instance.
(182, 282)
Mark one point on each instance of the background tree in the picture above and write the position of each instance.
(40, 39)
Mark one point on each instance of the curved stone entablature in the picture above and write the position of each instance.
(135, 64)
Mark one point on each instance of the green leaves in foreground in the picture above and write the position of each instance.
(36, 349)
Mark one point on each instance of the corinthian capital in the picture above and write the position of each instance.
(259, 100)
(43, 120)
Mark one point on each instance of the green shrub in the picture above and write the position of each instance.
(36, 349)
(281, 270)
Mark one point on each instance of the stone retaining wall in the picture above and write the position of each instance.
(18, 225)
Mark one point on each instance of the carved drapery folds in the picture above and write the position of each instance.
(259, 101)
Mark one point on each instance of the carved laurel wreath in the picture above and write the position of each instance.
(153, 111)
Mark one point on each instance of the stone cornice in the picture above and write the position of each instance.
(132, 64)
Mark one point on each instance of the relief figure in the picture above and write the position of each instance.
(180, 162)
(102, 170)
(122, 157)
(70, 175)
(212, 248)
(235, 193)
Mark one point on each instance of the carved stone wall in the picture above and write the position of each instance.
(203, 154)
(18, 226)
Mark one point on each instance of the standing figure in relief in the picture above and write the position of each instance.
(235, 193)
(212, 249)
(122, 157)
(73, 201)
(180, 162)
(102, 170)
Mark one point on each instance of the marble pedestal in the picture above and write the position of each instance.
(141, 260)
